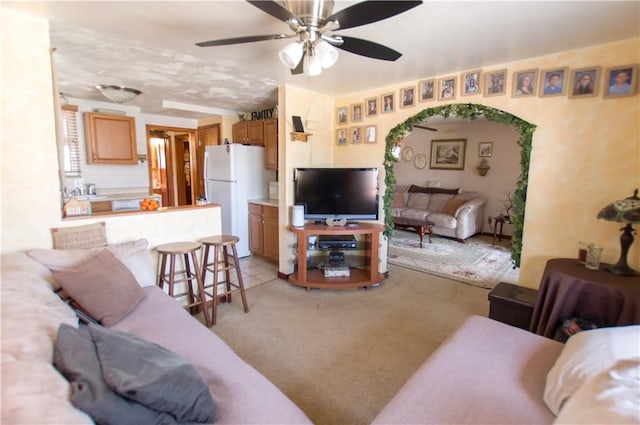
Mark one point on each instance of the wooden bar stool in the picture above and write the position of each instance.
(189, 274)
(220, 244)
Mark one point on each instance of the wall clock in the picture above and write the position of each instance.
(407, 154)
(420, 161)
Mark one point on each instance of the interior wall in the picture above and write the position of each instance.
(121, 177)
(315, 152)
(496, 185)
(30, 187)
(586, 154)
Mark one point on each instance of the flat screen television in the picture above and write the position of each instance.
(337, 193)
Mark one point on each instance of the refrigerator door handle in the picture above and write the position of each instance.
(206, 161)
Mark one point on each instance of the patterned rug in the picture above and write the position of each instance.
(475, 262)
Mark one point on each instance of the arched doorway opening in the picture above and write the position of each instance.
(469, 111)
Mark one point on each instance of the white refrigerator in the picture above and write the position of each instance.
(233, 175)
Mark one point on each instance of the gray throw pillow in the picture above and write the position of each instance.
(103, 286)
(76, 358)
(152, 375)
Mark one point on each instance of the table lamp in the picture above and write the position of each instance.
(627, 211)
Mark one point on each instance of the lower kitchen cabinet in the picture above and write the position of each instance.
(263, 231)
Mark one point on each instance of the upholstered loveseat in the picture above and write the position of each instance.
(35, 392)
(455, 213)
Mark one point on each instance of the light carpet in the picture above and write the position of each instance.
(342, 355)
(476, 261)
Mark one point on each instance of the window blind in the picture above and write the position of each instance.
(71, 142)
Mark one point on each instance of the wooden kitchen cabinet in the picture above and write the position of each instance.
(248, 132)
(271, 144)
(110, 139)
(263, 231)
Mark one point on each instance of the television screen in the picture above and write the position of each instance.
(337, 193)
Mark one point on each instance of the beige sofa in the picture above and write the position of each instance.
(33, 391)
(455, 213)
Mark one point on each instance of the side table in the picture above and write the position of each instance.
(499, 220)
(569, 289)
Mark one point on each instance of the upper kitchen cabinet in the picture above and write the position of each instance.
(271, 144)
(111, 139)
(248, 132)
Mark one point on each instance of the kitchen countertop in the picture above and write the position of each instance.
(115, 196)
(265, 201)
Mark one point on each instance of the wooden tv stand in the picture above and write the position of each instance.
(315, 278)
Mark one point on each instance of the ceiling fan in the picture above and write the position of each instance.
(312, 21)
(425, 127)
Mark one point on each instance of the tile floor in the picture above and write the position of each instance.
(256, 270)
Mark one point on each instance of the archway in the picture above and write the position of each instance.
(469, 111)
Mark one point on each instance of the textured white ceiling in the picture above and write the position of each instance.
(149, 45)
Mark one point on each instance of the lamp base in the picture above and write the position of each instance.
(622, 270)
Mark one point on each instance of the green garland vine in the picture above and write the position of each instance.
(469, 111)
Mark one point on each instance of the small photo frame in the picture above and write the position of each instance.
(427, 90)
(341, 115)
(447, 88)
(448, 154)
(584, 82)
(495, 83)
(371, 134)
(407, 97)
(485, 149)
(341, 137)
(371, 107)
(420, 161)
(524, 83)
(472, 82)
(355, 134)
(388, 103)
(356, 112)
(621, 81)
(553, 82)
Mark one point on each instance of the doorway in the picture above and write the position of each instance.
(172, 159)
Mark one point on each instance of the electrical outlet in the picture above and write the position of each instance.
(489, 220)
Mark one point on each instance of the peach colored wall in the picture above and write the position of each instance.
(316, 152)
(585, 154)
(30, 184)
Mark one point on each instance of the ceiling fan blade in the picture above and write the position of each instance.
(299, 69)
(367, 12)
(368, 48)
(273, 9)
(425, 128)
(238, 40)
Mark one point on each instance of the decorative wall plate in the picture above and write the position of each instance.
(420, 161)
(407, 154)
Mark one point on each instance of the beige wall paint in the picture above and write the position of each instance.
(316, 152)
(30, 184)
(585, 155)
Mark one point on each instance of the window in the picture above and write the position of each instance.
(71, 143)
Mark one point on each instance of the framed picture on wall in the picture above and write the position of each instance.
(495, 82)
(472, 82)
(356, 112)
(485, 149)
(584, 82)
(448, 154)
(447, 88)
(388, 103)
(370, 134)
(341, 137)
(371, 107)
(426, 90)
(553, 82)
(524, 83)
(407, 97)
(355, 134)
(341, 115)
(621, 81)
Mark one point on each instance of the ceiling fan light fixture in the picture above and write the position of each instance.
(315, 65)
(118, 94)
(327, 53)
(291, 54)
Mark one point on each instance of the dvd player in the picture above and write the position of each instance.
(336, 241)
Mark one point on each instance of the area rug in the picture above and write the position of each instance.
(475, 262)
